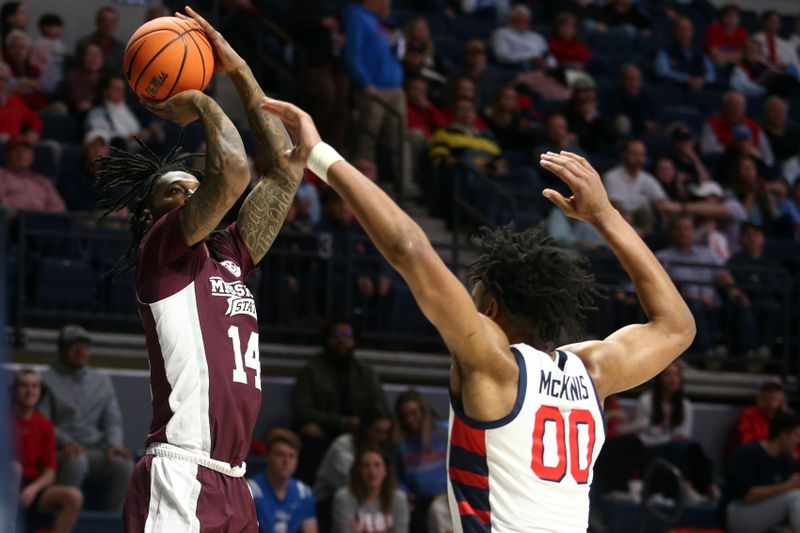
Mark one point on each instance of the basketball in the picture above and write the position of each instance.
(168, 55)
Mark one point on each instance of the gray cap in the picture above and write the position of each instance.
(71, 333)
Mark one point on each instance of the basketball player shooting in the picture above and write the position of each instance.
(198, 315)
(526, 424)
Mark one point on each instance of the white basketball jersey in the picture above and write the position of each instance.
(530, 471)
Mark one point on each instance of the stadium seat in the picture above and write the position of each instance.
(611, 43)
(53, 294)
(689, 116)
(706, 100)
(62, 128)
(46, 160)
(667, 94)
(51, 235)
(119, 296)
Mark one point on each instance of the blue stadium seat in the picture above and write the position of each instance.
(691, 117)
(50, 235)
(65, 285)
(667, 94)
(119, 296)
(706, 100)
(45, 161)
(611, 43)
(98, 522)
(62, 128)
(750, 21)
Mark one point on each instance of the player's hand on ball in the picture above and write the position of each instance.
(589, 201)
(299, 125)
(182, 109)
(227, 60)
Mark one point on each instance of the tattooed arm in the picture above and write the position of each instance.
(264, 210)
(226, 173)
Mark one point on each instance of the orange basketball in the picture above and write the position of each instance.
(166, 56)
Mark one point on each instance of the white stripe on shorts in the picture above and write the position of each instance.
(174, 491)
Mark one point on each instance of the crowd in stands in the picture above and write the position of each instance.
(690, 114)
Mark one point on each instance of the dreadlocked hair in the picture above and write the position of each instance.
(534, 279)
(135, 175)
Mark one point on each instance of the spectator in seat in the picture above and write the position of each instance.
(16, 118)
(21, 189)
(77, 181)
(26, 76)
(569, 51)
(689, 165)
(112, 48)
(725, 39)
(697, 272)
(635, 192)
(763, 489)
(631, 110)
(418, 42)
(622, 16)
(49, 51)
(515, 44)
(331, 393)
(752, 424)
(83, 406)
(682, 62)
(463, 142)
(674, 184)
(763, 281)
(82, 83)
(718, 129)
(371, 500)
(753, 76)
(283, 504)
(759, 198)
(421, 439)
(423, 117)
(595, 132)
(377, 75)
(115, 118)
(790, 208)
(13, 16)
(557, 137)
(487, 79)
(784, 137)
(778, 53)
(664, 423)
(36, 448)
(794, 39)
(375, 430)
(511, 129)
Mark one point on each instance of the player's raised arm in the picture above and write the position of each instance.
(226, 172)
(473, 338)
(264, 210)
(635, 353)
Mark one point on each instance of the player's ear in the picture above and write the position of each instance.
(492, 308)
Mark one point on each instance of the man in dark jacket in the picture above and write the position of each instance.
(330, 392)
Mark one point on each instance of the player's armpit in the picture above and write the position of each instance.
(226, 175)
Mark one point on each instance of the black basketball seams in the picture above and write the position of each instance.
(164, 47)
(202, 62)
(151, 32)
(180, 70)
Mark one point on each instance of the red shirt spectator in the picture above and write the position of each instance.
(421, 114)
(564, 44)
(17, 118)
(753, 423)
(23, 189)
(725, 39)
(716, 37)
(36, 445)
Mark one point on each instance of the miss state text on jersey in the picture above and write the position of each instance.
(530, 471)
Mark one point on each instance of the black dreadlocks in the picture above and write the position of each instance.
(534, 279)
(135, 175)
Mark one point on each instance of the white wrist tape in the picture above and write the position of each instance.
(321, 158)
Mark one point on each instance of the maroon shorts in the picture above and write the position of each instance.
(170, 496)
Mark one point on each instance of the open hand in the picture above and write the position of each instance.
(589, 201)
(117, 451)
(226, 60)
(182, 109)
(300, 127)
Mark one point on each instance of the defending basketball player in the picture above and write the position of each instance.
(198, 315)
(526, 424)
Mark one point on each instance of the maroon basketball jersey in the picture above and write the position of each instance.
(202, 340)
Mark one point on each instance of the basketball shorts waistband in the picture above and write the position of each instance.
(170, 451)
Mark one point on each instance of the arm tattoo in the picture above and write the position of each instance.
(225, 177)
(264, 210)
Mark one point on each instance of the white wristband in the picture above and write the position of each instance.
(321, 158)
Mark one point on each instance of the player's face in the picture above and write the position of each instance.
(379, 431)
(171, 191)
(76, 354)
(411, 416)
(282, 460)
(29, 391)
(372, 469)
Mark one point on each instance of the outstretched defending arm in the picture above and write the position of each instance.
(635, 353)
(263, 212)
(473, 339)
(226, 173)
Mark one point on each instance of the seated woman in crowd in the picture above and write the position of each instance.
(370, 502)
